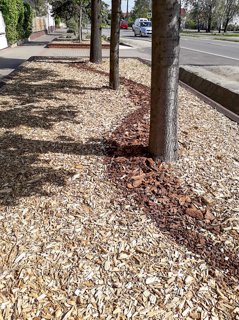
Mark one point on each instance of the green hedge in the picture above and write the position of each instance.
(18, 18)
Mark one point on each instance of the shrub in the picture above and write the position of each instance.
(10, 16)
(57, 21)
(20, 11)
(232, 27)
(28, 20)
(72, 25)
(18, 19)
(190, 24)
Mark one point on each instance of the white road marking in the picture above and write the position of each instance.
(213, 54)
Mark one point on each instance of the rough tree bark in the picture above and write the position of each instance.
(79, 23)
(114, 44)
(163, 141)
(95, 40)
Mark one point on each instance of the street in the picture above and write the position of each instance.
(193, 51)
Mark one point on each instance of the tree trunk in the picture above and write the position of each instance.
(209, 20)
(226, 24)
(198, 23)
(95, 40)
(163, 141)
(79, 25)
(114, 44)
(198, 17)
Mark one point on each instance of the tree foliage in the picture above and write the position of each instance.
(140, 9)
(213, 14)
(65, 9)
(69, 9)
(18, 17)
(40, 7)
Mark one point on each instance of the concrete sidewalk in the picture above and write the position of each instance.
(11, 58)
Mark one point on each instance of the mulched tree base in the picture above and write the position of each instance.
(150, 186)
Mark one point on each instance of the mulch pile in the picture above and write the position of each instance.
(149, 184)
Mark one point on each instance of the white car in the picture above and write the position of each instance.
(143, 28)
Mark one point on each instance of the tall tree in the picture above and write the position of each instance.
(231, 9)
(114, 44)
(40, 7)
(95, 40)
(140, 9)
(67, 10)
(163, 141)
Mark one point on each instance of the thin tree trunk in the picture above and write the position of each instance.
(114, 44)
(198, 19)
(226, 24)
(163, 141)
(79, 25)
(198, 22)
(95, 40)
(209, 20)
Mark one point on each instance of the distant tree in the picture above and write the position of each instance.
(69, 9)
(114, 44)
(231, 9)
(205, 12)
(64, 9)
(105, 13)
(197, 12)
(163, 141)
(96, 25)
(140, 9)
(39, 6)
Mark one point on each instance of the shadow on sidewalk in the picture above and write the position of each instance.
(10, 63)
(35, 43)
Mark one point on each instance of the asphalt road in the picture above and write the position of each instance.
(193, 51)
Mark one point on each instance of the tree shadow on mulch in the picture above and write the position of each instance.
(149, 184)
(22, 171)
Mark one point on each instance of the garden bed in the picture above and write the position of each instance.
(92, 227)
(74, 43)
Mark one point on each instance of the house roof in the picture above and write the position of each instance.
(183, 12)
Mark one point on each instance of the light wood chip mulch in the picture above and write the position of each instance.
(79, 237)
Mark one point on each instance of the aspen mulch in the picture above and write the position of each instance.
(92, 227)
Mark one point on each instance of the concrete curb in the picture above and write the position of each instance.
(224, 100)
(222, 96)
